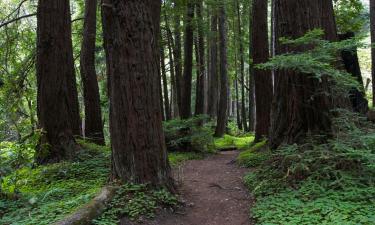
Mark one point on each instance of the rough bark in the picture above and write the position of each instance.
(300, 106)
(251, 76)
(199, 104)
(262, 78)
(178, 56)
(55, 73)
(213, 82)
(372, 29)
(138, 144)
(185, 110)
(224, 92)
(93, 116)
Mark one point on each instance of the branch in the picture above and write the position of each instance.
(17, 19)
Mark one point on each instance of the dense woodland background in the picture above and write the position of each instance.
(127, 90)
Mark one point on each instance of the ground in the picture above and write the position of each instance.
(213, 192)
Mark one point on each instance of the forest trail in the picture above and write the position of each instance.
(213, 191)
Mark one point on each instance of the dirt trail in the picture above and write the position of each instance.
(213, 191)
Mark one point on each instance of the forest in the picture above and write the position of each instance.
(187, 112)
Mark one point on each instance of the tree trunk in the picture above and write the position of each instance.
(223, 103)
(93, 115)
(213, 74)
(262, 78)
(168, 115)
(178, 56)
(242, 66)
(199, 104)
(138, 144)
(300, 106)
(188, 63)
(351, 63)
(54, 69)
(251, 75)
(372, 25)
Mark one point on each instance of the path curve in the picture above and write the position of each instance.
(213, 191)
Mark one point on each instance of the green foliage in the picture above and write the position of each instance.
(329, 182)
(233, 142)
(189, 135)
(48, 193)
(176, 158)
(134, 201)
(350, 15)
(254, 156)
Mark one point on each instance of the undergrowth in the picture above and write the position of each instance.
(136, 201)
(228, 141)
(319, 182)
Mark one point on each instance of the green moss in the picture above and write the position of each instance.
(254, 156)
(176, 158)
(236, 142)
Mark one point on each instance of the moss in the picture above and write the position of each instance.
(176, 158)
(233, 142)
(254, 156)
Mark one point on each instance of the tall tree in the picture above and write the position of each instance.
(372, 25)
(224, 89)
(242, 66)
(167, 109)
(185, 110)
(93, 116)
(199, 102)
(262, 78)
(138, 144)
(56, 81)
(177, 54)
(213, 79)
(300, 106)
(251, 91)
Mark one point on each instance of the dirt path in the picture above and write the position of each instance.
(213, 191)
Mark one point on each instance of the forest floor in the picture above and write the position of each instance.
(213, 193)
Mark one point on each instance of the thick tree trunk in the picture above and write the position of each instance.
(262, 78)
(300, 106)
(178, 57)
(55, 73)
(188, 63)
(93, 115)
(138, 144)
(251, 75)
(351, 64)
(199, 98)
(222, 117)
(372, 28)
(167, 109)
(213, 82)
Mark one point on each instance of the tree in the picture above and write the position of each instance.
(93, 115)
(185, 110)
(167, 109)
(300, 105)
(372, 25)
(199, 102)
(262, 78)
(57, 94)
(224, 89)
(138, 144)
(213, 78)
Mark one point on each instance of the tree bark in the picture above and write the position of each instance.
(178, 56)
(262, 78)
(55, 73)
(188, 63)
(222, 117)
(93, 115)
(213, 74)
(199, 97)
(372, 28)
(138, 144)
(300, 107)
(251, 75)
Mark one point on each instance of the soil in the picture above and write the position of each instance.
(212, 191)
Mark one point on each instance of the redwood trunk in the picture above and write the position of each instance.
(262, 78)
(54, 68)
(199, 104)
(224, 90)
(213, 81)
(138, 144)
(178, 57)
(93, 114)
(299, 107)
(167, 109)
(188, 63)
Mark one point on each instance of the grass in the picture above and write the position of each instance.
(46, 194)
(233, 142)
